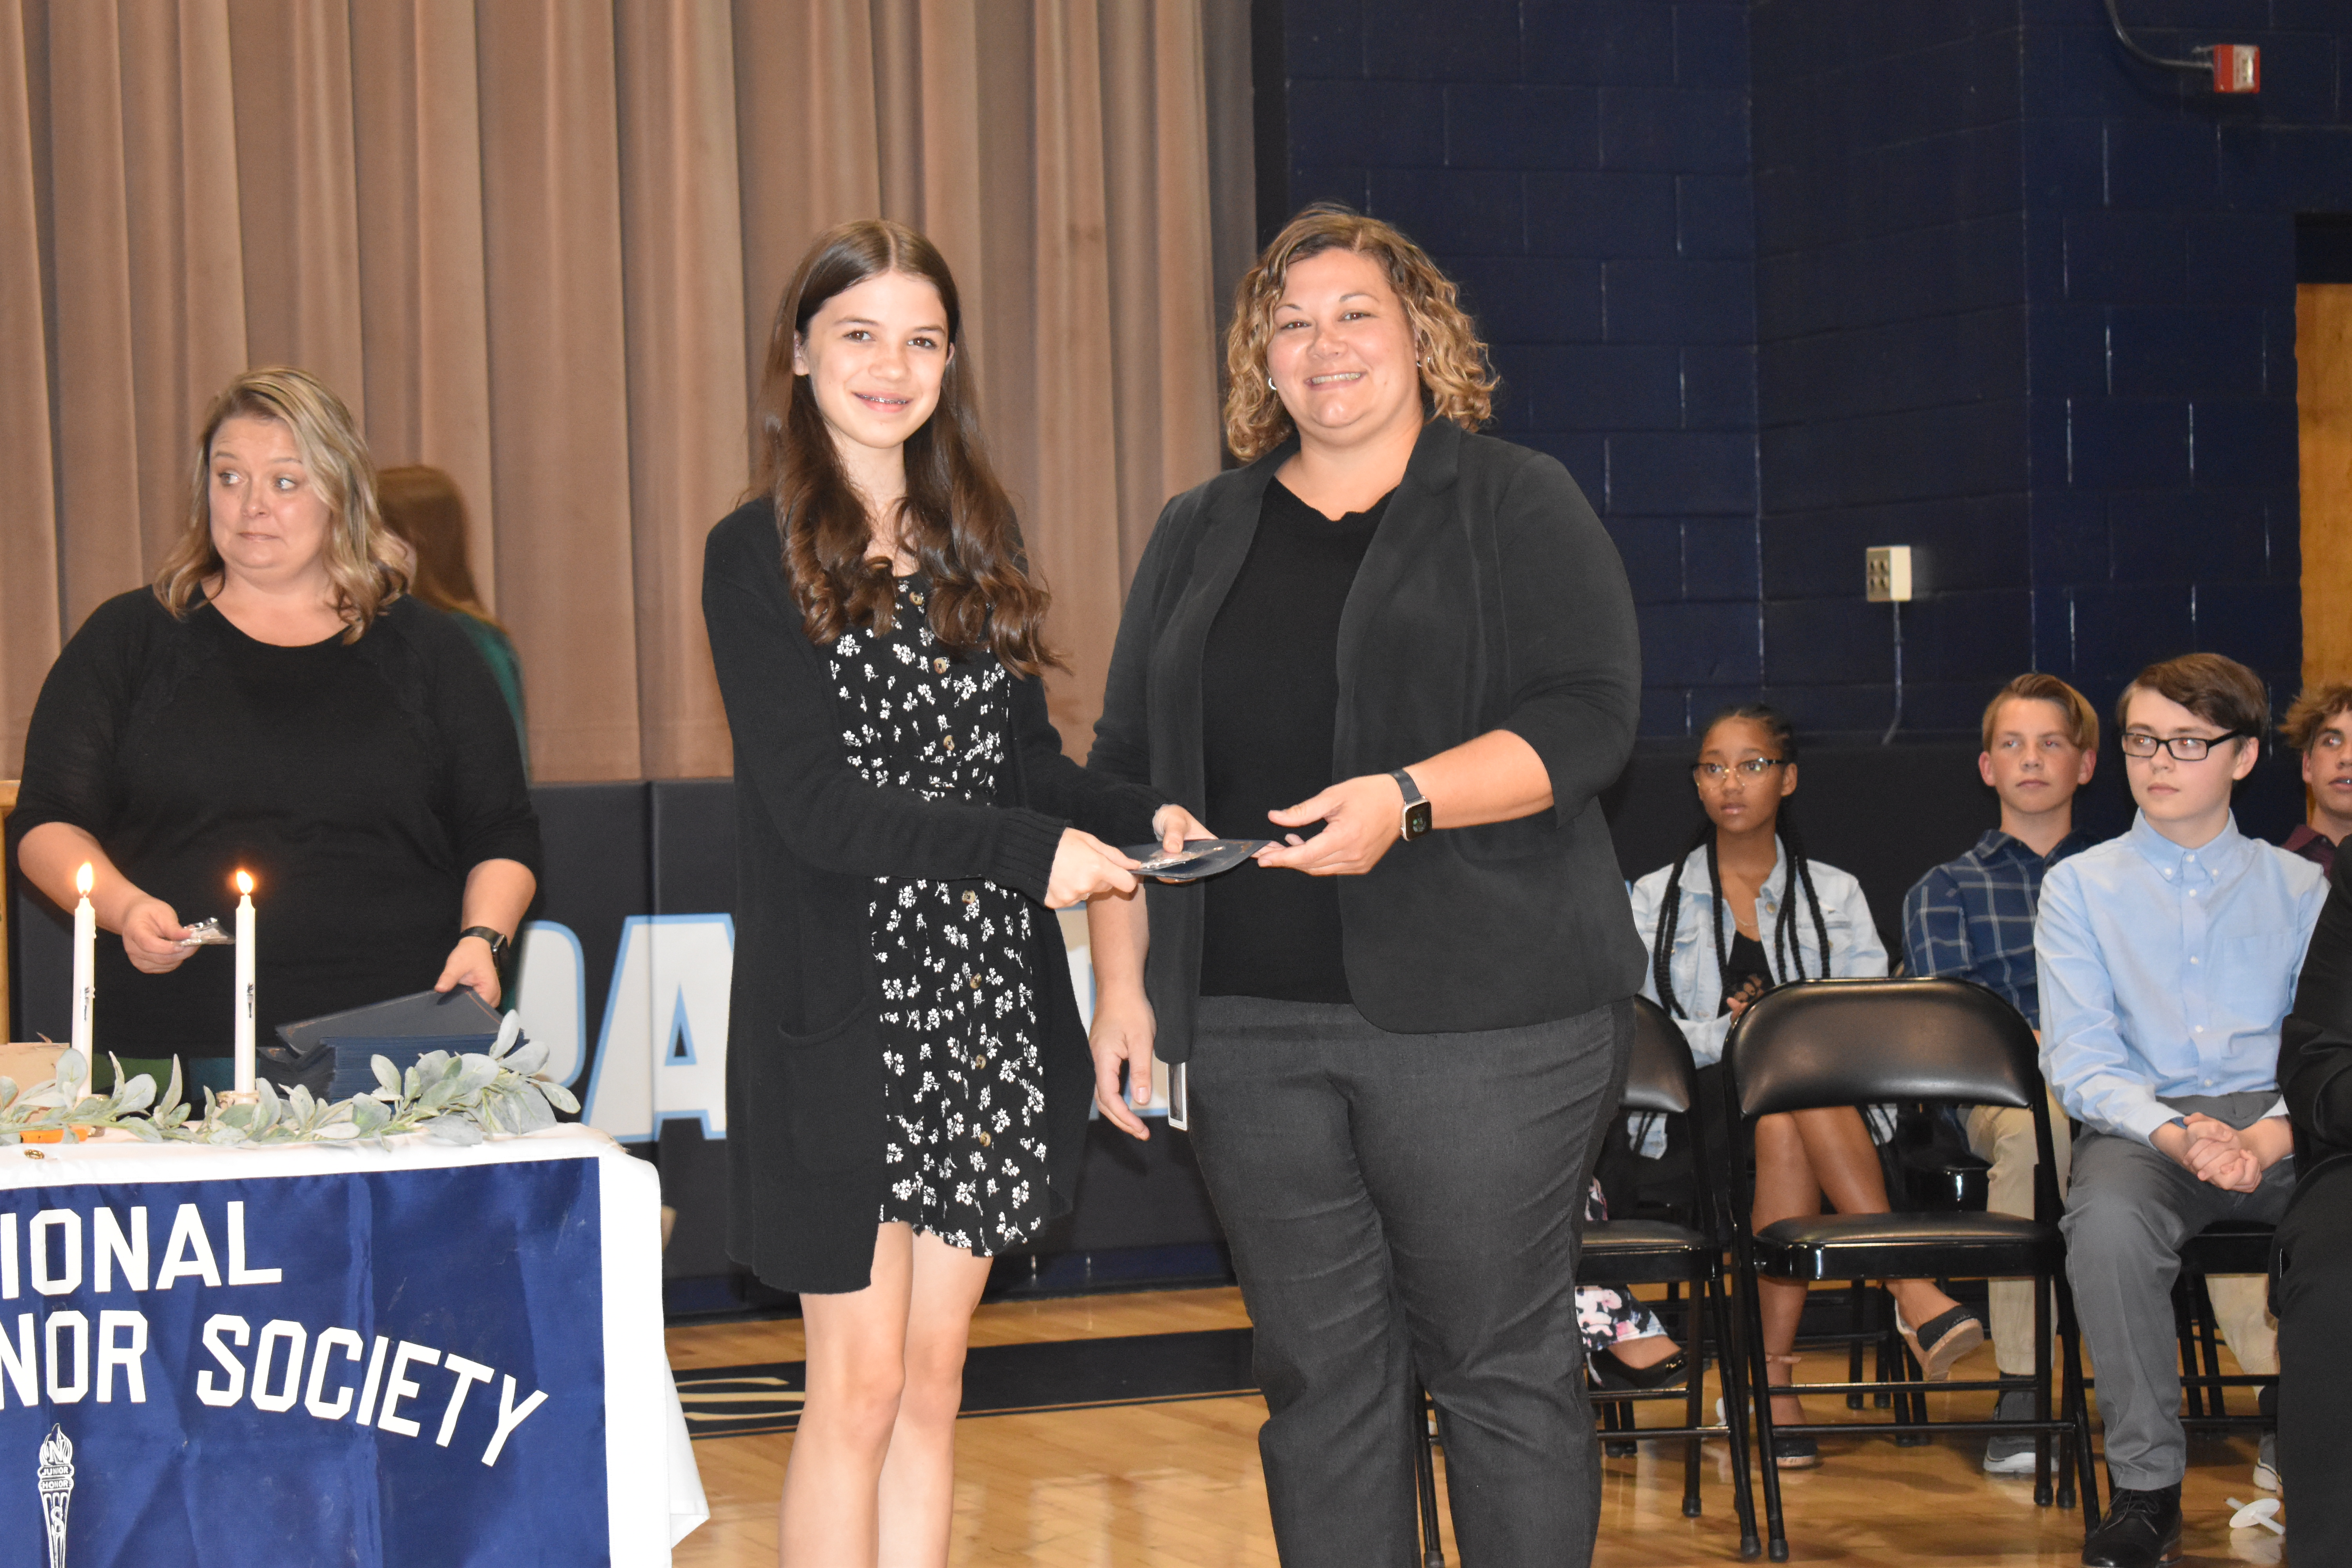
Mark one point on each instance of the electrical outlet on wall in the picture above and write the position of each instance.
(1887, 573)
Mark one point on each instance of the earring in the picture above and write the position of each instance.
(1270, 386)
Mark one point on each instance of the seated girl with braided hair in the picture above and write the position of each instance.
(1706, 919)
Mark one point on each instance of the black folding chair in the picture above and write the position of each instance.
(1660, 1078)
(1854, 1042)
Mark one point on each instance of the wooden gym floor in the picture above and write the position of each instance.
(1179, 1483)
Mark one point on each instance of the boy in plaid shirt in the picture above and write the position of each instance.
(1972, 919)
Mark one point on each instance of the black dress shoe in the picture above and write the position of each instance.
(1610, 1373)
(2142, 1530)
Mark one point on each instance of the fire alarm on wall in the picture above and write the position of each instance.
(2237, 67)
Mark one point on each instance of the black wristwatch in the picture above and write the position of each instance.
(1417, 809)
(498, 941)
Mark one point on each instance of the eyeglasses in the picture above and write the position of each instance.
(2184, 748)
(1752, 767)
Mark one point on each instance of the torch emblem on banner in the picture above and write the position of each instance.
(57, 1490)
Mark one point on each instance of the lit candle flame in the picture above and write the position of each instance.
(244, 883)
(83, 879)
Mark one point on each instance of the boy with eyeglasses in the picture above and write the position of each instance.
(1972, 919)
(2167, 960)
(2319, 725)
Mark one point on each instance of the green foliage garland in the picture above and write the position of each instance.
(450, 1099)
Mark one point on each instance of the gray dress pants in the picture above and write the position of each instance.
(1402, 1205)
(2128, 1211)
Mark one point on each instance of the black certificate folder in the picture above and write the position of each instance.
(1200, 857)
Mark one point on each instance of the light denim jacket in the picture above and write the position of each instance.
(1855, 947)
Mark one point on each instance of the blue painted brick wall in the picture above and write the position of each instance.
(1582, 170)
(1784, 279)
(2027, 305)
(2160, 272)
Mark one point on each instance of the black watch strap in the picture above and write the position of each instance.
(498, 939)
(1418, 812)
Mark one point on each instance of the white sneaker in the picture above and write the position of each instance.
(2266, 1474)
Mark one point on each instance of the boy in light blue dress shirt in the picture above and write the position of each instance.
(2167, 960)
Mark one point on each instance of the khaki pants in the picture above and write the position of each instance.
(2003, 1134)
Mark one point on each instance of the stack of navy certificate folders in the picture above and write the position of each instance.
(354, 1056)
(333, 1056)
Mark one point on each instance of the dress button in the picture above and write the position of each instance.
(985, 1141)
(918, 599)
(2192, 961)
(939, 667)
(975, 983)
(979, 1062)
(971, 896)
(949, 743)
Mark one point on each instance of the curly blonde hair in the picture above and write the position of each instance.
(1457, 382)
(364, 565)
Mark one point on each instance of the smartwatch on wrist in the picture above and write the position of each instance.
(498, 941)
(1418, 812)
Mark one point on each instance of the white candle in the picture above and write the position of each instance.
(85, 973)
(244, 983)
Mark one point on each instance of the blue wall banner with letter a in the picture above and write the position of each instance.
(364, 1367)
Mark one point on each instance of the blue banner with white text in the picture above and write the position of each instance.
(364, 1367)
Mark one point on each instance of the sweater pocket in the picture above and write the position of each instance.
(830, 1086)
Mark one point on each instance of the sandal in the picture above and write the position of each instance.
(1942, 1340)
(1793, 1451)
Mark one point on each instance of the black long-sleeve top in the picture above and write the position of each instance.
(1269, 696)
(359, 782)
(2316, 1041)
(804, 1062)
(1490, 598)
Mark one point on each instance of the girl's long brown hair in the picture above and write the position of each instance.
(956, 519)
(424, 506)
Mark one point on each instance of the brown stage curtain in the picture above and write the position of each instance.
(539, 243)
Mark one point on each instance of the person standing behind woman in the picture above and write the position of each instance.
(1787, 918)
(424, 507)
(1410, 650)
(907, 1075)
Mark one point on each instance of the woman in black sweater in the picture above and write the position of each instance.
(1399, 1061)
(2311, 1262)
(906, 1076)
(276, 704)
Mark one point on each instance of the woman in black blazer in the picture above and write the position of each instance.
(1399, 1061)
(906, 1076)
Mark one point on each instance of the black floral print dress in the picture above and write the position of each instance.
(964, 1143)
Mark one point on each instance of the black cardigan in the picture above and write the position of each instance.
(804, 1108)
(1491, 598)
(361, 783)
(2314, 1066)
